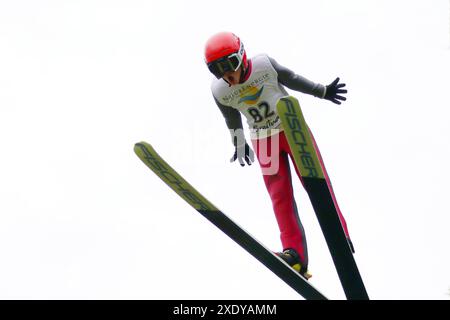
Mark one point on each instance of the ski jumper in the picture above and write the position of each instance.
(256, 98)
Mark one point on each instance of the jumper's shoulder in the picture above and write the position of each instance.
(261, 57)
(262, 61)
(218, 87)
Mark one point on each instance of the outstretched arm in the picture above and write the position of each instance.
(291, 80)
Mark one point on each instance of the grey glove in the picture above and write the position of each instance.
(243, 152)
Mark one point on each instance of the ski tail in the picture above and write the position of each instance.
(307, 161)
(153, 161)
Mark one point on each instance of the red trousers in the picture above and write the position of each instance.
(272, 153)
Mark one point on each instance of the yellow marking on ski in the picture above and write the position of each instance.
(151, 159)
(299, 139)
(297, 267)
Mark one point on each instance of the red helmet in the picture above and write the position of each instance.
(224, 52)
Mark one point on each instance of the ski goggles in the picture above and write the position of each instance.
(229, 63)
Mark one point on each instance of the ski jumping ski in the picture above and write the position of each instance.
(152, 160)
(307, 161)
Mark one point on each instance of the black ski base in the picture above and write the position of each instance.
(335, 237)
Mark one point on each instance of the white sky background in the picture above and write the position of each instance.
(81, 81)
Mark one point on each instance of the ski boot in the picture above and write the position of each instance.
(291, 257)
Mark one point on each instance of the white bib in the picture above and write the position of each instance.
(256, 98)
